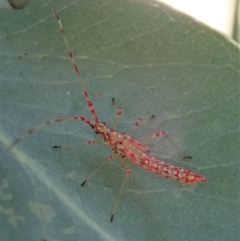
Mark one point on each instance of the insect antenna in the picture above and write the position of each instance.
(49, 122)
(89, 102)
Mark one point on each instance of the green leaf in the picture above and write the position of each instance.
(154, 61)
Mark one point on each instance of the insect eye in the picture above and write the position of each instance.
(103, 123)
(97, 131)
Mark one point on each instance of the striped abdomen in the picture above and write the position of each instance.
(177, 173)
(138, 153)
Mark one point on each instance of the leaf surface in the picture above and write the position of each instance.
(152, 60)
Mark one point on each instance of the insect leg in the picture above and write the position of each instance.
(119, 113)
(96, 170)
(163, 133)
(127, 173)
(79, 143)
(137, 122)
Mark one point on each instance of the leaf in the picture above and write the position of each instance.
(152, 60)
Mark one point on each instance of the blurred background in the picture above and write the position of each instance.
(222, 15)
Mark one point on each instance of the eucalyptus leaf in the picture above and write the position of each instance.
(152, 60)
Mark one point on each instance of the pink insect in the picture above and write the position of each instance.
(122, 144)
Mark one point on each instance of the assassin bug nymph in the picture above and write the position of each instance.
(123, 145)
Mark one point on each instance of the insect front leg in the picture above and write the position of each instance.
(138, 121)
(79, 143)
(119, 113)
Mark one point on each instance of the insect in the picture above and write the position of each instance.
(122, 145)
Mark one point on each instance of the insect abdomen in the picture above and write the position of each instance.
(170, 171)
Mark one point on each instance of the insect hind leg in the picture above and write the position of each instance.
(127, 173)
